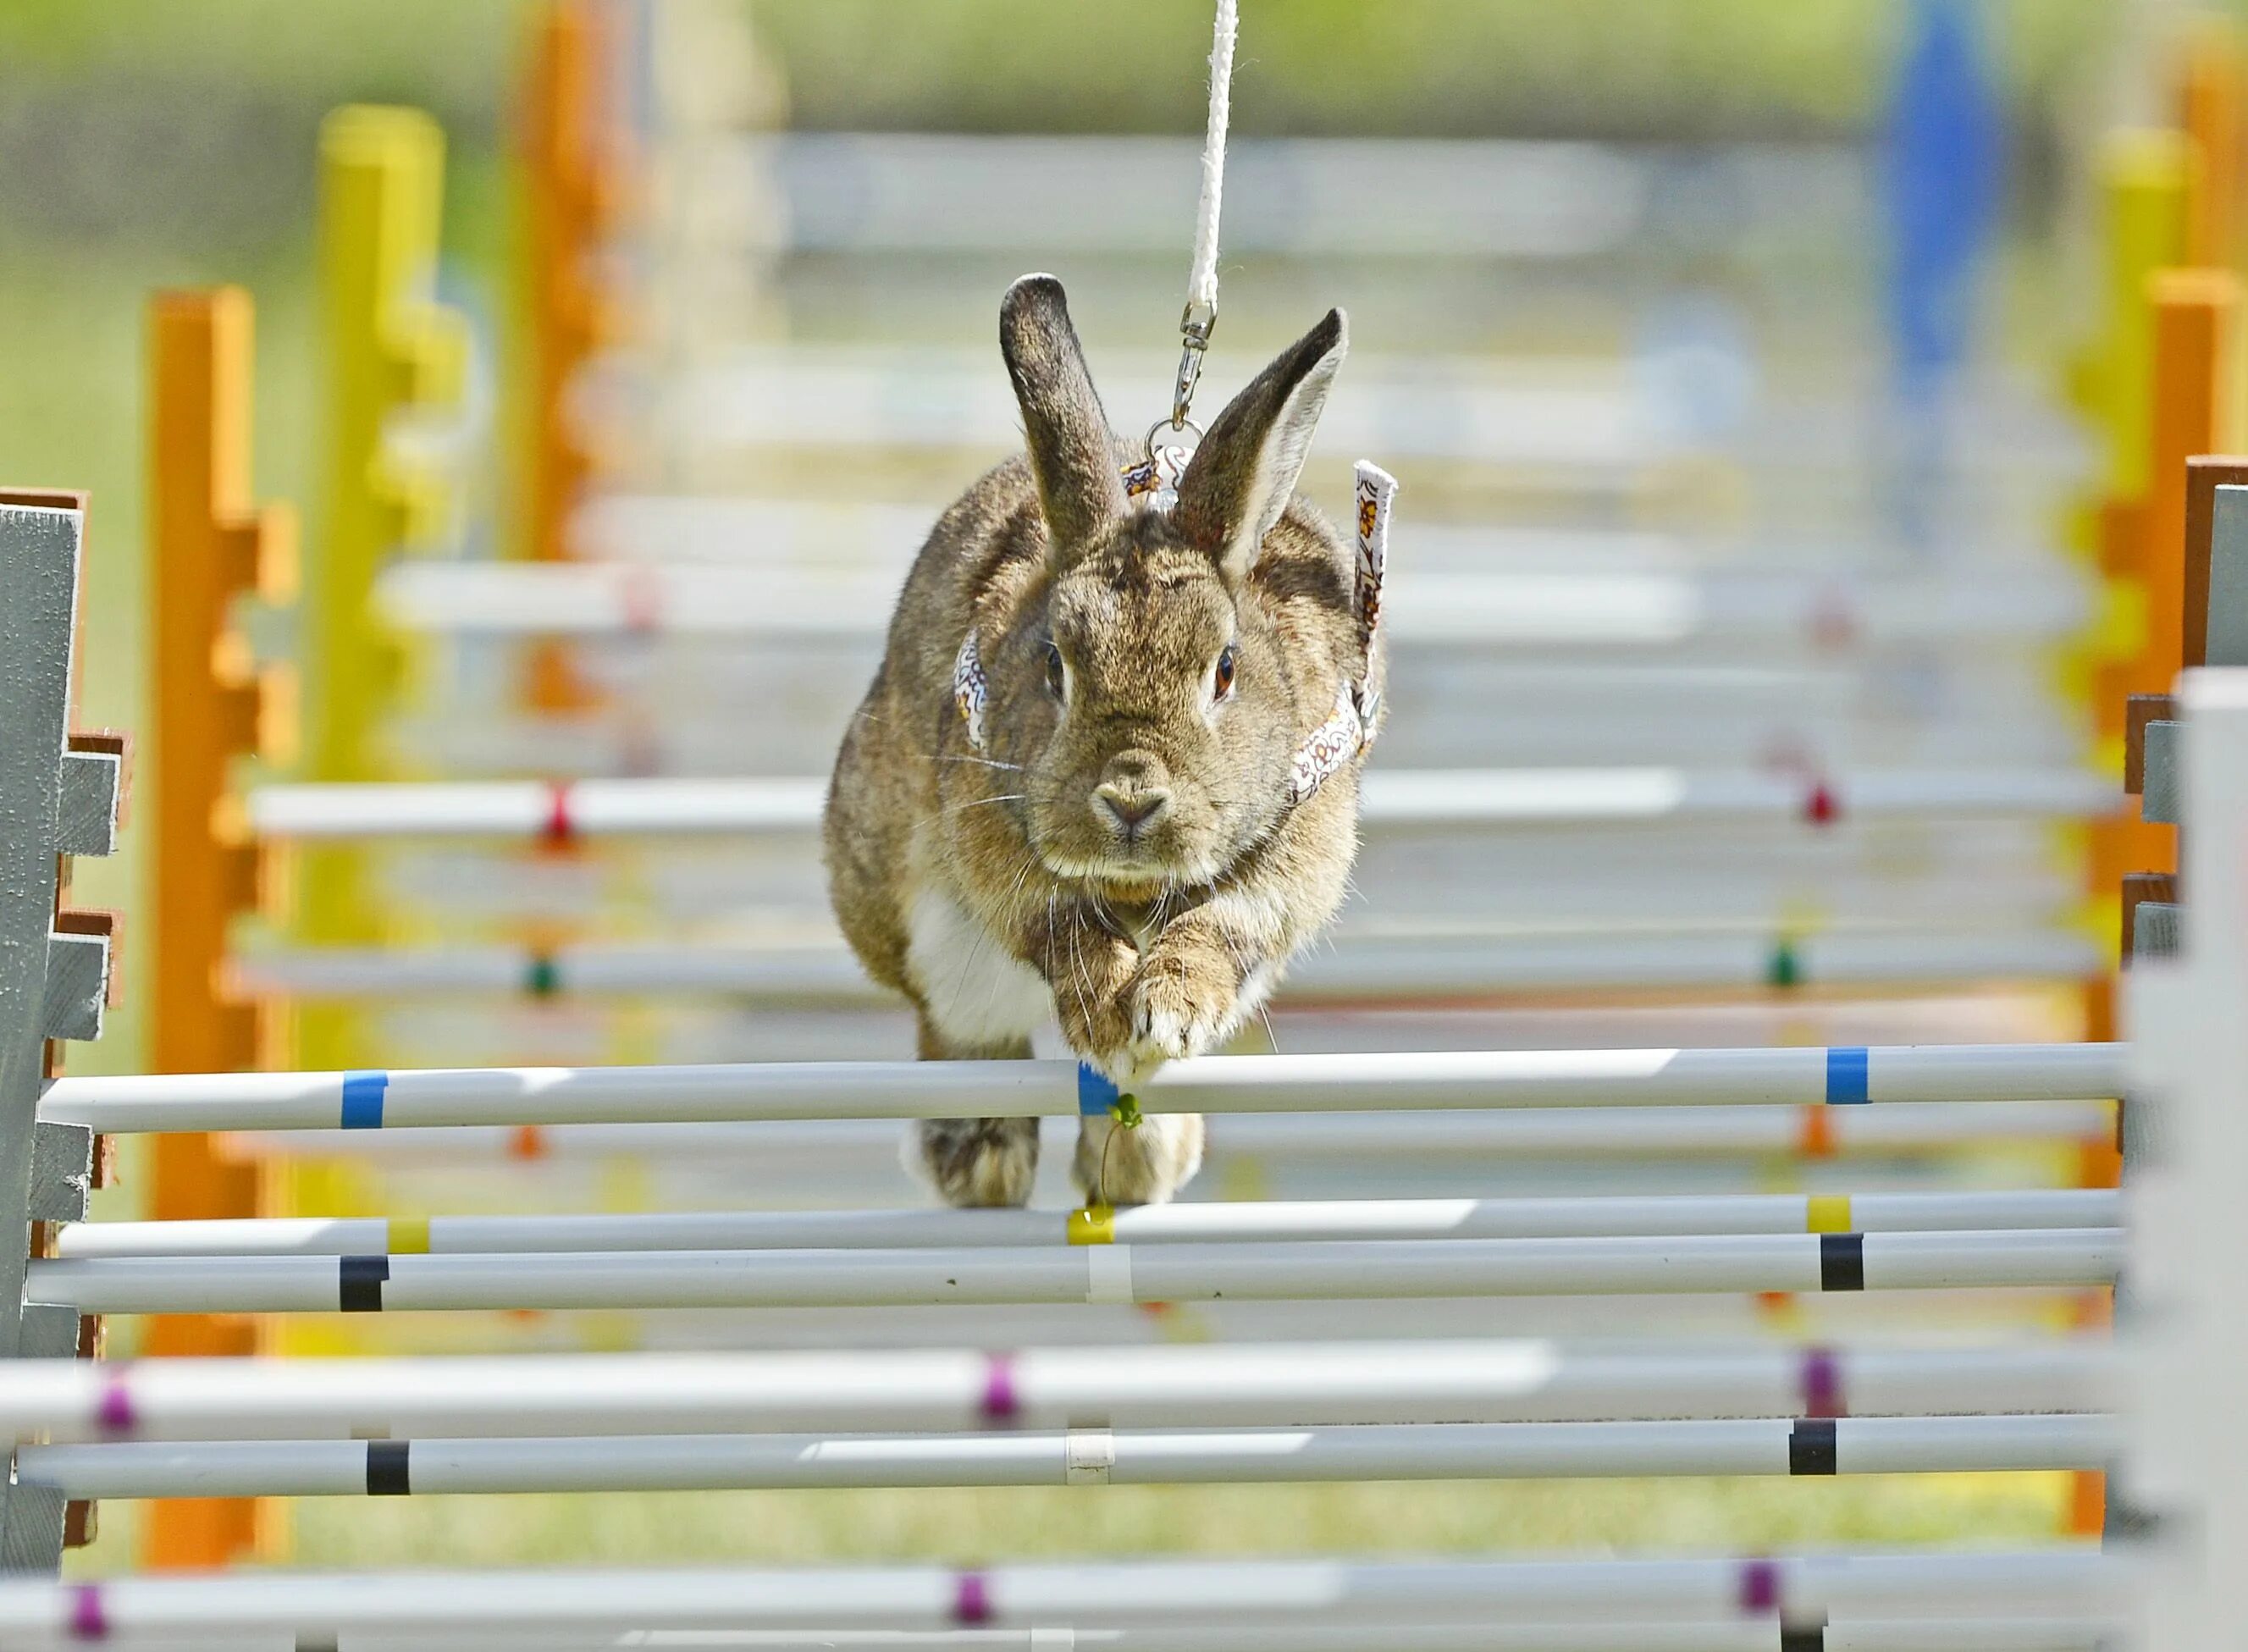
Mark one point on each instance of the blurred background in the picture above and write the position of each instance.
(1703, 284)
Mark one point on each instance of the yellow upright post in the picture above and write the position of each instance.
(389, 352)
(211, 705)
(2144, 179)
(389, 349)
(2143, 184)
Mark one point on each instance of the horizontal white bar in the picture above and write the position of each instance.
(1884, 1635)
(801, 397)
(1509, 1380)
(1517, 1218)
(1358, 969)
(1519, 610)
(1392, 798)
(1111, 1273)
(1801, 1589)
(1308, 197)
(1277, 1139)
(1384, 1082)
(836, 541)
(1080, 1455)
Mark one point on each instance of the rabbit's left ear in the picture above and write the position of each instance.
(1072, 456)
(1239, 479)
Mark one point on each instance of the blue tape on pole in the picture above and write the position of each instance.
(1095, 1096)
(1846, 1075)
(363, 1094)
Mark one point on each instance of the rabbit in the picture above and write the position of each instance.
(1106, 771)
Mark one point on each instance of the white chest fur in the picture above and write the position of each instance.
(975, 990)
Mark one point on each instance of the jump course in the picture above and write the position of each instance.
(174, 1428)
(2151, 1408)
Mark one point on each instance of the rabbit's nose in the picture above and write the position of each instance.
(1134, 807)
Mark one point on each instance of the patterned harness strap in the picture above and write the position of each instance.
(1349, 731)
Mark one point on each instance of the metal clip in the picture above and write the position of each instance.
(1196, 322)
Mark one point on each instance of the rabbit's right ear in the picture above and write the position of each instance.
(1241, 476)
(1072, 454)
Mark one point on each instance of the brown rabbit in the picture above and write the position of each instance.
(1107, 770)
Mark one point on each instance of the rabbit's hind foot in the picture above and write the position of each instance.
(976, 1163)
(1145, 1163)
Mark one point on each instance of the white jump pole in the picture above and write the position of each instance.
(1073, 1456)
(1393, 799)
(1791, 1590)
(1841, 1075)
(1301, 1270)
(1355, 970)
(1885, 1634)
(1309, 1138)
(1159, 1386)
(1515, 1218)
(1526, 609)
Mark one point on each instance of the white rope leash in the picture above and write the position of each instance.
(1199, 319)
(1201, 280)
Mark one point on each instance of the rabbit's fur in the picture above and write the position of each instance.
(994, 889)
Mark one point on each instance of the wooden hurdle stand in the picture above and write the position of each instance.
(2162, 386)
(2193, 316)
(61, 793)
(213, 706)
(2179, 1474)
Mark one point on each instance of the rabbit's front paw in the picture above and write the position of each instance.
(1175, 1009)
(1098, 1026)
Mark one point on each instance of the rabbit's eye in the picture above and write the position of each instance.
(1057, 675)
(1221, 676)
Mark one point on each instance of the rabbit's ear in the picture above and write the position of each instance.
(1072, 455)
(1240, 478)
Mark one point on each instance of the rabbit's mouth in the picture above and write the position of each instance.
(1122, 878)
(1111, 873)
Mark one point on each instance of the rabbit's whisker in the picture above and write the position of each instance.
(1080, 982)
(979, 803)
(987, 762)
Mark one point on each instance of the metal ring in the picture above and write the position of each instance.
(1148, 446)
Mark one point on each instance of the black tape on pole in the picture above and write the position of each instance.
(388, 1474)
(360, 1281)
(1842, 1261)
(1811, 1446)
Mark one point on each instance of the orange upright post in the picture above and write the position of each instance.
(2193, 403)
(2196, 324)
(207, 544)
(571, 173)
(2212, 91)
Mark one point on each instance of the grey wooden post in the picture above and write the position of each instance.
(54, 800)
